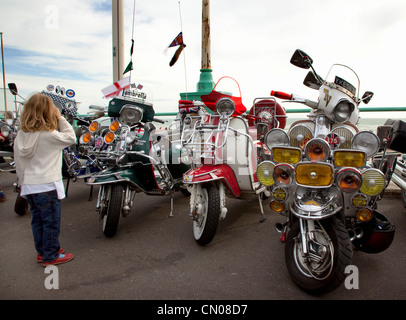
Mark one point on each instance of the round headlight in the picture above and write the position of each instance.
(349, 180)
(366, 141)
(225, 107)
(373, 182)
(5, 131)
(283, 174)
(276, 137)
(317, 150)
(114, 125)
(343, 110)
(264, 173)
(109, 137)
(130, 114)
(94, 126)
(299, 135)
(85, 138)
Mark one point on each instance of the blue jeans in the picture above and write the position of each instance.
(46, 222)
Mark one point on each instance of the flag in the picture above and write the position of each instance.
(140, 86)
(115, 89)
(177, 54)
(129, 67)
(177, 41)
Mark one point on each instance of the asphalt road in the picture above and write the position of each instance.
(154, 257)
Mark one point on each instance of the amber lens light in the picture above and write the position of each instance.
(109, 137)
(94, 126)
(276, 206)
(279, 194)
(373, 182)
(365, 215)
(359, 201)
(317, 150)
(349, 180)
(114, 126)
(85, 138)
(286, 155)
(314, 174)
(264, 173)
(283, 174)
(349, 158)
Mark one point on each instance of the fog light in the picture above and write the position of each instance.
(279, 194)
(359, 201)
(109, 137)
(94, 126)
(365, 215)
(85, 138)
(264, 173)
(276, 206)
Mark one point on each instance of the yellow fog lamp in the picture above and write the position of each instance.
(314, 174)
(364, 214)
(279, 194)
(283, 174)
(349, 158)
(349, 180)
(85, 138)
(286, 155)
(94, 126)
(114, 125)
(264, 173)
(359, 201)
(276, 206)
(317, 150)
(109, 137)
(373, 182)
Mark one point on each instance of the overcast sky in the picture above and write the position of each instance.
(251, 41)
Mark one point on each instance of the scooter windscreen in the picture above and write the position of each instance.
(225, 90)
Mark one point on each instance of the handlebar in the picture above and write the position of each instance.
(294, 98)
(159, 120)
(281, 95)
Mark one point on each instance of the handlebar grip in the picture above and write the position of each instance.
(281, 95)
(159, 120)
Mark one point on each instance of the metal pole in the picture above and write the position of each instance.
(118, 39)
(206, 49)
(4, 74)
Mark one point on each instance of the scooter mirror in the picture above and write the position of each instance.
(367, 96)
(312, 81)
(13, 88)
(301, 59)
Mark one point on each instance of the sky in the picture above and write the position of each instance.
(69, 43)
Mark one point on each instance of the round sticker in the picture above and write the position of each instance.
(70, 93)
(98, 142)
(333, 140)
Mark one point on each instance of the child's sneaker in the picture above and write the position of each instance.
(63, 257)
(39, 257)
(2, 196)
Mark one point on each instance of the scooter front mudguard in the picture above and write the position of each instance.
(208, 173)
(137, 177)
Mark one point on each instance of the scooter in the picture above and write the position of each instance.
(325, 179)
(134, 157)
(224, 151)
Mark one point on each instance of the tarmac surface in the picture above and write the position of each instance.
(154, 257)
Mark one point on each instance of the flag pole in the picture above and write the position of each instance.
(4, 74)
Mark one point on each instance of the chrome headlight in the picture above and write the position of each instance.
(5, 131)
(366, 141)
(317, 150)
(312, 174)
(283, 174)
(299, 135)
(343, 110)
(225, 107)
(276, 137)
(349, 180)
(130, 114)
(86, 138)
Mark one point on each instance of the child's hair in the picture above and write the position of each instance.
(38, 114)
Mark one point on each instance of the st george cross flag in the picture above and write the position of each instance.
(115, 89)
(177, 41)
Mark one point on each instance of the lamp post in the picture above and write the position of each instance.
(118, 39)
(206, 83)
(4, 73)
